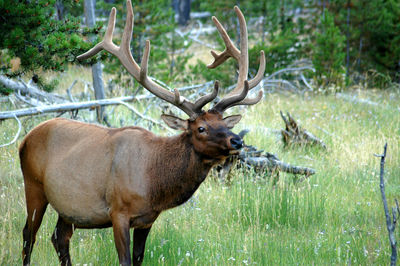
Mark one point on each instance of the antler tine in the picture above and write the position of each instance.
(248, 101)
(199, 104)
(123, 52)
(106, 43)
(260, 73)
(244, 52)
(124, 55)
(145, 60)
(242, 56)
(230, 50)
(128, 29)
(222, 105)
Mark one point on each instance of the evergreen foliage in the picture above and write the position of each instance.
(154, 21)
(374, 34)
(32, 33)
(35, 38)
(328, 53)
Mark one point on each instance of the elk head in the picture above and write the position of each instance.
(209, 131)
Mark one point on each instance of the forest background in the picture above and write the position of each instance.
(335, 65)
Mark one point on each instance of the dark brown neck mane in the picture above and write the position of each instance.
(176, 172)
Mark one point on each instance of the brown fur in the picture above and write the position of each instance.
(97, 177)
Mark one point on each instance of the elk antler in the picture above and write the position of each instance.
(238, 94)
(236, 97)
(124, 55)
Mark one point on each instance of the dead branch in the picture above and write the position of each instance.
(306, 82)
(71, 97)
(294, 134)
(28, 89)
(130, 107)
(16, 135)
(260, 161)
(63, 107)
(268, 161)
(290, 69)
(27, 100)
(389, 224)
(276, 82)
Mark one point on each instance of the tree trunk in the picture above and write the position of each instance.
(348, 42)
(282, 15)
(96, 68)
(60, 10)
(184, 12)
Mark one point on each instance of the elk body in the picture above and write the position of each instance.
(97, 177)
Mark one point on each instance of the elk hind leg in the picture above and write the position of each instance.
(60, 239)
(36, 204)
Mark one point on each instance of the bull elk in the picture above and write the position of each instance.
(97, 177)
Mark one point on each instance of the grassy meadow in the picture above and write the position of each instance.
(334, 217)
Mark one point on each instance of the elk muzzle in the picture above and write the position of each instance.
(236, 142)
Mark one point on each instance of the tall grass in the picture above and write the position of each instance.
(334, 217)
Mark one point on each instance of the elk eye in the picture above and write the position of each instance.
(201, 129)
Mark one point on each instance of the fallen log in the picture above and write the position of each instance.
(294, 134)
(260, 161)
(63, 107)
(28, 89)
(272, 163)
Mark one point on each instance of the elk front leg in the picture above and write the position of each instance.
(139, 242)
(121, 238)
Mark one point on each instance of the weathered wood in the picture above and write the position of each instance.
(390, 225)
(16, 135)
(260, 161)
(63, 107)
(267, 161)
(27, 89)
(97, 73)
(295, 135)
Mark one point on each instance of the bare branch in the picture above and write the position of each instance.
(69, 91)
(29, 89)
(390, 226)
(62, 107)
(305, 82)
(133, 109)
(290, 69)
(27, 100)
(16, 135)
(280, 81)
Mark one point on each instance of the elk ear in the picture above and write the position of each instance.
(232, 120)
(175, 122)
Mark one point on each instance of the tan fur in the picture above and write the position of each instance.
(98, 177)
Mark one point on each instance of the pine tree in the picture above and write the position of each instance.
(153, 20)
(328, 53)
(373, 34)
(33, 40)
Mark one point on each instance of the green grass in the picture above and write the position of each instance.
(334, 217)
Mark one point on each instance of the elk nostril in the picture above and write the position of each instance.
(236, 143)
